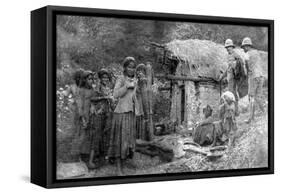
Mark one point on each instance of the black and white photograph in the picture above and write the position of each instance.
(140, 96)
(148, 97)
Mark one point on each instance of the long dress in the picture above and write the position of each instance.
(142, 117)
(144, 122)
(123, 131)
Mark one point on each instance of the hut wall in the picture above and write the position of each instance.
(192, 104)
(187, 109)
(177, 104)
(175, 113)
(198, 97)
(209, 95)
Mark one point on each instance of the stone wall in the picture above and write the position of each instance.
(197, 96)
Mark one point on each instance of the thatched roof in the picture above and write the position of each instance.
(204, 57)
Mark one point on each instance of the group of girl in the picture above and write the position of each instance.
(108, 120)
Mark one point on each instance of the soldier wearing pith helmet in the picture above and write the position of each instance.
(232, 72)
(255, 76)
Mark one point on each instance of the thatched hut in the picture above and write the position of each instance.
(193, 80)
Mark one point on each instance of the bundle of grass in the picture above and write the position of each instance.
(264, 60)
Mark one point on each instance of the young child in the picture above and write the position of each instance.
(141, 95)
(84, 135)
(227, 116)
(100, 119)
(123, 131)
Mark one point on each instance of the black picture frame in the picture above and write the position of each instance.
(43, 96)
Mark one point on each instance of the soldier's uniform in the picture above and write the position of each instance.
(232, 74)
(255, 77)
(231, 80)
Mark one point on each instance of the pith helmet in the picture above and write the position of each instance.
(228, 43)
(246, 41)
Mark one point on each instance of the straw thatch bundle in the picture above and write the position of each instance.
(206, 58)
(203, 57)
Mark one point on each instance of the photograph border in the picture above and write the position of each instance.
(44, 173)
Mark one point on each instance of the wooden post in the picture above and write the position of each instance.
(149, 75)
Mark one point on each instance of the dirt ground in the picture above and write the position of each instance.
(250, 151)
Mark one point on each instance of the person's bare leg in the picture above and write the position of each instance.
(91, 159)
(252, 110)
(119, 167)
(230, 140)
(236, 108)
(259, 96)
(236, 98)
(259, 102)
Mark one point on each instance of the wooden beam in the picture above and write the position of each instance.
(186, 78)
(157, 45)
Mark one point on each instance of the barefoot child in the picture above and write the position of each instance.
(84, 112)
(227, 116)
(141, 95)
(101, 107)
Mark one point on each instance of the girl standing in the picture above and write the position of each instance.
(141, 93)
(100, 119)
(144, 123)
(84, 136)
(123, 134)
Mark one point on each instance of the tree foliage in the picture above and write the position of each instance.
(219, 33)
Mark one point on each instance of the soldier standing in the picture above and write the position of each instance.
(255, 77)
(234, 72)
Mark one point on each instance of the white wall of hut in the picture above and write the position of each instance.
(189, 98)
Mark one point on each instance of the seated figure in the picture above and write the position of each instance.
(209, 131)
